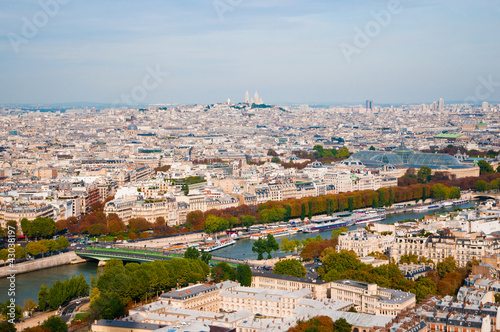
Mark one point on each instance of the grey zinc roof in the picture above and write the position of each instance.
(128, 325)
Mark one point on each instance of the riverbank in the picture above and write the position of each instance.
(35, 321)
(159, 243)
(42, 263)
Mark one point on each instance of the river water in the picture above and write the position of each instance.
(28, 284)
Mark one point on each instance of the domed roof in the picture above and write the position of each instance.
(132, 126)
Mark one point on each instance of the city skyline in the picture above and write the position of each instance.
(207, 51)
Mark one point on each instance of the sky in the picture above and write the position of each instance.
(290, 51)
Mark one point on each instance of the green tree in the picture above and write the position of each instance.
(43, 296)
(485, 167)
(372, 148)
(26, 226)
(481, 185)
(335, 264)
(56, 324)
(62, 243)
(497, 298)
(408, 259)
(424, 174)
(276, 160)
(454, 193)
(290, 246)
(381, 198)
(303, 212)
(5, 310)
(212, 224)
(343, 153)
(341, 325)
(5, 326)
(288, 213)
(439, 191)
(244, 275)
(4, 255)
(19, 252)
(42, 227)
(192, 253)
(259, 247)
(248, 220)
(290, 267)
(205, 256)
(350, 204)
(35, 248)
(272, 245)
(52, 245)
(423, 287)
(447, 266)
(498, 169)
(108, 306)
(337, 231)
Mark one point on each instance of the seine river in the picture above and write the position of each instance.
(28, 284)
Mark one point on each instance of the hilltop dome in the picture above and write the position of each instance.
(132, 126)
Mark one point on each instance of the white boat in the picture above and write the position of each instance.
(369, 217)
(460, 202)
(426, 207)
(276, 232)
(326, 223)
(217, 245)
(445, 204)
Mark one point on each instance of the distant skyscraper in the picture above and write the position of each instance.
(441, 104)
(247, 97)
(484, 105)
(369, 105)
(434, 107)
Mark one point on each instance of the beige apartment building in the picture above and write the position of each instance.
(345, 181)
(46, 173)
(17, 212)
(269, 280)
(371, 299)
(150, 210)
(196, 202)
(363, 242)
(121, 207)
(201, 297)
(367, 298)
(270, 303)
(437, 248)
(127, 209)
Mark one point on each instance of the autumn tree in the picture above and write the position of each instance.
(222, 271)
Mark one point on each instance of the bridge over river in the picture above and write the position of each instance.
(131, 255)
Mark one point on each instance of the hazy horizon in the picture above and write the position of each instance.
(291, 52)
